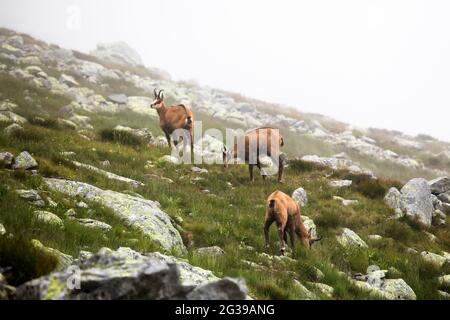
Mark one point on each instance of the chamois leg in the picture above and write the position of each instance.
(250, 170)
(192, 143)
(280, 169)
(168, 139)
(281, 225)
(291, 230)
(258, 164)
(267, 225)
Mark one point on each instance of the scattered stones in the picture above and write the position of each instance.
(142, 214)
(340, 183)
(6, 159)
(24, 161)
(49, 218)
(300, 196)
(210, 251)
(345, 202)
(349, 238)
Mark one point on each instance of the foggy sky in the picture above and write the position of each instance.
(378, 63)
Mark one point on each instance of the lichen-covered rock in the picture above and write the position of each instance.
(210, 251)
(48, 217)
(62, 260)
(345, 202)
(24, 161)
(392, 198)
(444, 280)
(434, 258)
(32, 196)
(439, 185)
(6, 159)
(309, 225)
(126, 274)
(416, 200)
(445, 197)
(144, 135)
(340, 183)
(13, 129)
(300, 196)
(322, 288)
(93, 224)
(145, 215)
(348, 238)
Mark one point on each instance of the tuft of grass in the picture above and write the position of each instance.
(120, 136)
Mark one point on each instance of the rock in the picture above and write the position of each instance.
(398, 289)
(444, 294)
(142, 105)
(430, 236)
(393, 198)
(94, 224)
(67, 124)
(31, 196)
(126, 274)
(210, 251)
(171, 159)
(62, 260)
(199, 170)
(6, 159)
(36, 71)
(68, 80)
(345, 202)
(142, 214)
(24, 161)
(144, 134)
(6, 291)
(340, 183)
(349, 238)
(118, 98)
(82, 205)
(375, 237)
(416, 200)
(160, 141)
(13, 129)
(434, 258)
(81, 121)
(7, 105)
(49, 218)
(444, 280)
(70, 213)
(323, 288)
(309, 225)
(308, 294)
(30, 60)
(300, 196)
(110, 175)
(2, 230)
(445, 197)
(118, 52)
(439, 185)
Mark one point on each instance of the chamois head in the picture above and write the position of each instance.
(158, 100)
(312, 239)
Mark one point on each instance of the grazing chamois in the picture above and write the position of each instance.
(285, 212)
(252, 140)
(173, 117)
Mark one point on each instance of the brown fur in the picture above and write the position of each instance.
(285, 212)
(173, 117)
(254, 136)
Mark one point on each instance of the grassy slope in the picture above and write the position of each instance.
(230, 217)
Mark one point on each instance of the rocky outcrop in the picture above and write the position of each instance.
(439, 185)
(145, 215)
(126, 274)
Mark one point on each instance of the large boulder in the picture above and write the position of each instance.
(143, 214)
(118, 52)
(126, 274)
(439, 185)
(300, 196)
(349, 239)
(416, 200)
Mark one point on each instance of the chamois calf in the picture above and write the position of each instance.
(252, 141)
(173, 117)
(285, 212)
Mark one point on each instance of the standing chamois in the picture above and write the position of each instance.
(173, 117)
(282, 209)
(253, 140)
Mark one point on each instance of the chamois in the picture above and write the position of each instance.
(254, 139)
(282, 209)
(173, 117)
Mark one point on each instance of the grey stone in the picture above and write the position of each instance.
(300, 196)
(210, 251)
(349, 238)
(119, 98)
(439, 185)
(13, 129)
(392, 198)
(340, 183)
(416, 200)
(24, 161)
(49, 217)
(6, 159)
